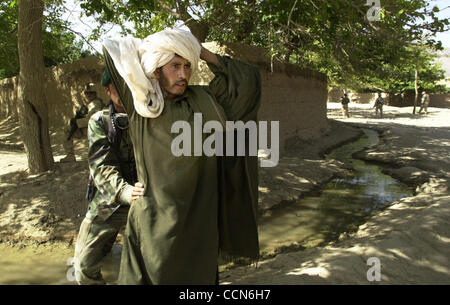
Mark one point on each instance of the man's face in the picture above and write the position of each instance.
(114, 96)
(174, 76)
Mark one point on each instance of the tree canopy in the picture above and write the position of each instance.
(337, 37)
(59, 42)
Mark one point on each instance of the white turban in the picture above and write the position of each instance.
(136, 60)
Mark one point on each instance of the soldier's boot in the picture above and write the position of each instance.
(68, 147)
(69, 158)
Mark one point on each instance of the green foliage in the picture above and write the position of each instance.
(401, 77)
(9, 58)
(59, 42)
(142, 13)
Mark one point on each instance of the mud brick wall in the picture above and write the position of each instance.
(298, 102)
(335, 94)
(440, 100)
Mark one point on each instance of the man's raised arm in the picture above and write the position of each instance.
(236, 85)
(209, 57)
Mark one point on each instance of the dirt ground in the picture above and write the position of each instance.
(411, 239)
(44, 207)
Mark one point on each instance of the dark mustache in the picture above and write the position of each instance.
(181, 81)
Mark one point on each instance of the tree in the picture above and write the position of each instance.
(402, 76)
(32, 105)
(31, 41)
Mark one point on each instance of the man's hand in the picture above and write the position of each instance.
(209, 57)
(138, 191)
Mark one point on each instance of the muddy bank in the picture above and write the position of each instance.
(413, 155)
(303, 168)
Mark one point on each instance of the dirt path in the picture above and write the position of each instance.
(410, 240)
(44, 207)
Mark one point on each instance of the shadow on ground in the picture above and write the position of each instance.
(43, 207)
(361, 113)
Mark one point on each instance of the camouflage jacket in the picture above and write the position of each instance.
(112, 168)
(379, 101)
(345, 100)
(425, 99)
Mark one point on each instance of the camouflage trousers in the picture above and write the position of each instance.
(380, 109)
(94, 242)
(424, 106)
(345, 110)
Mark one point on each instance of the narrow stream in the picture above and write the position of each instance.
(341, 206)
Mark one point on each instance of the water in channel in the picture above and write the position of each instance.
(341, 206)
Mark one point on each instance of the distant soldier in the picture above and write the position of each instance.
(110, 192)
(345, 101)
(77, 127)
(424, 102)
(379, 102)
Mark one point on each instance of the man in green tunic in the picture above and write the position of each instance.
(194, 207)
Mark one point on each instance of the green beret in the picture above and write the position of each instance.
(106, 79)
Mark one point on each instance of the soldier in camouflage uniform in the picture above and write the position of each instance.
(379, 102)
(77, 127)
(424, 102)
(345, 101)
(111, 191)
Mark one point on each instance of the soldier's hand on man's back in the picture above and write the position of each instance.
(138, 191)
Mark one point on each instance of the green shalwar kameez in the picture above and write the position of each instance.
(194, 206)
